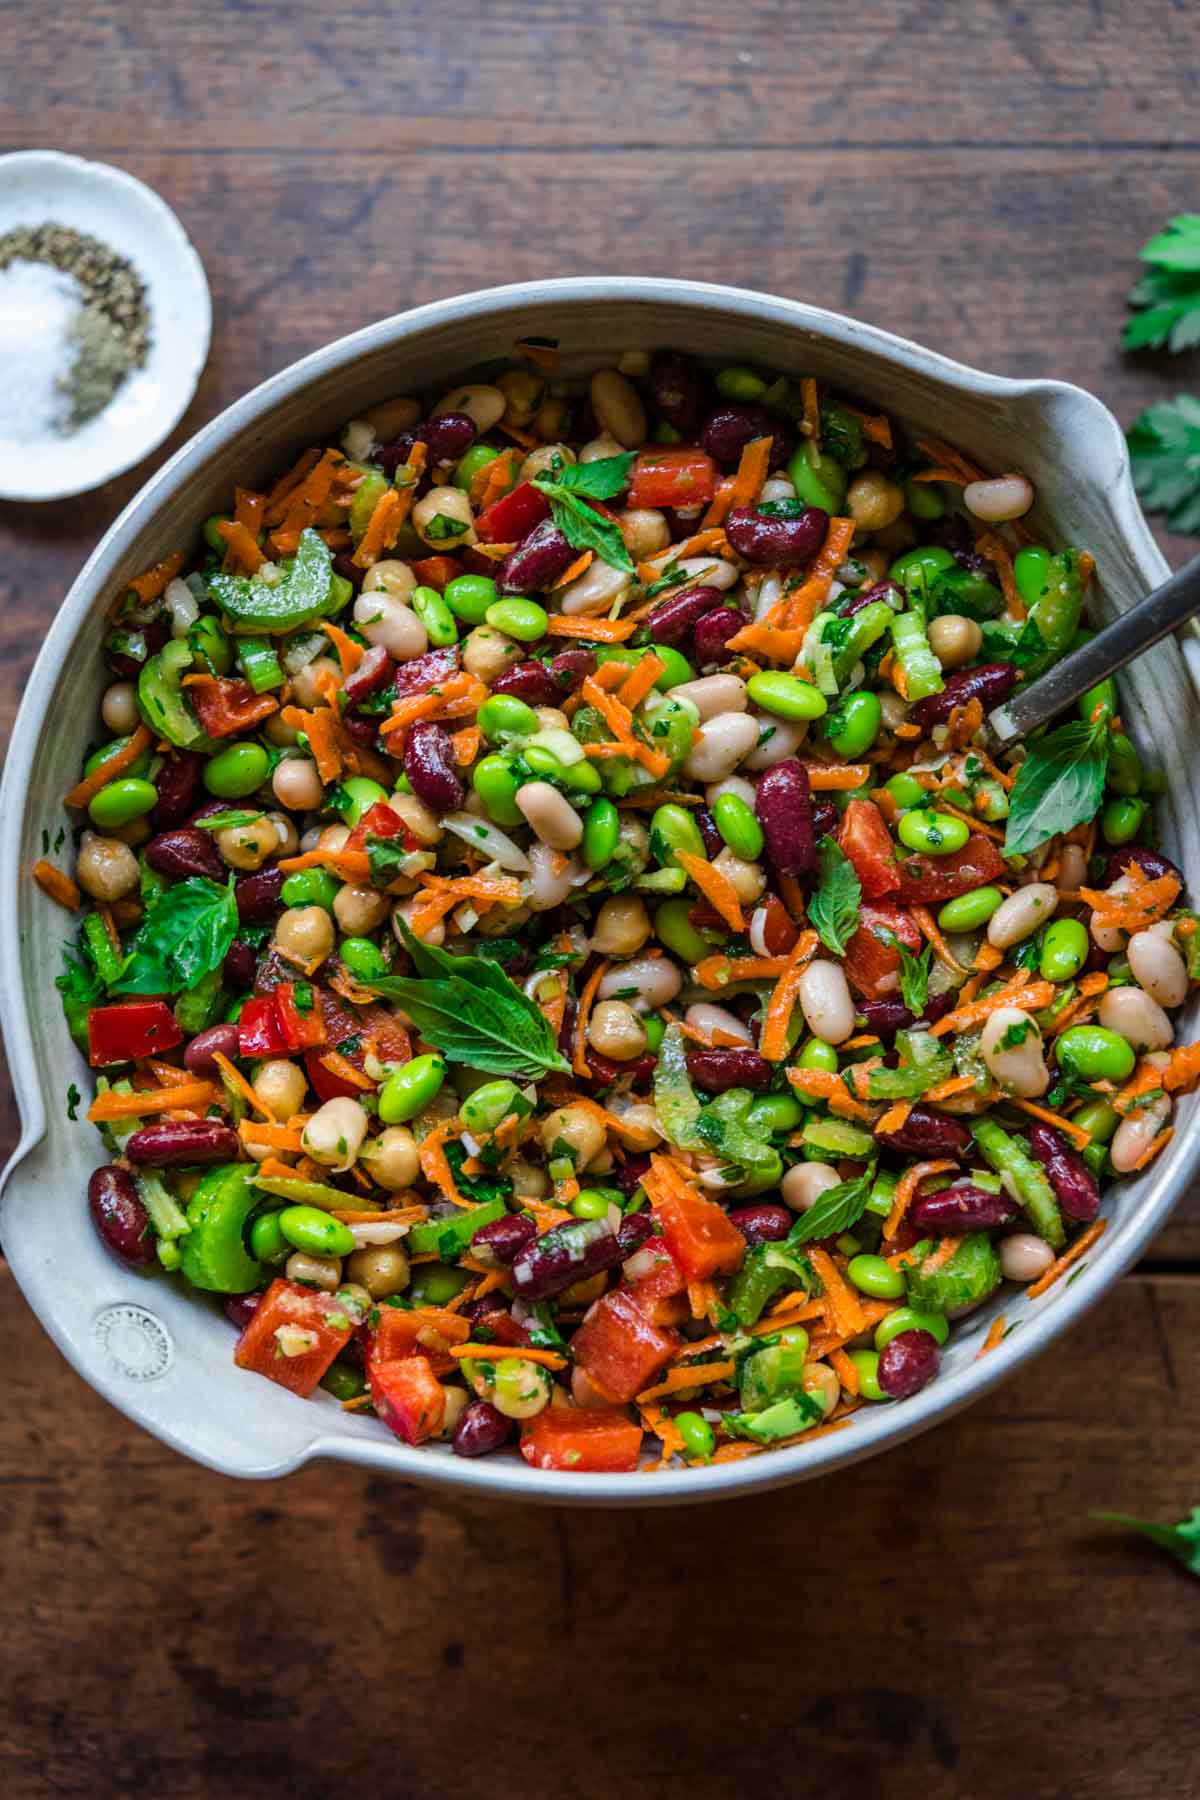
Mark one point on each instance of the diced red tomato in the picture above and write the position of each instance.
(658, 1286)
(381, 822)
(864, 838)
(592, 1440)
(326, 1085)
(130, 1028)
(872, 964)
(682, 477)
(436, 571)
(225, 705)
(618, 1349)
(273, 1025)
(293, 1335)
(925, 880)
(400, 1331)
(514, 516)
(408, 1397)
(699, 1236)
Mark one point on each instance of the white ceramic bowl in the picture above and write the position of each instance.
(164, 1357)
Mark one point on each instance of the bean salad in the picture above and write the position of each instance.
(555, 954)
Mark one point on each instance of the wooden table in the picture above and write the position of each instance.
(945, 1621)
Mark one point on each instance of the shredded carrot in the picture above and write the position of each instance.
(688, 1375)
(819, 1084)
(287, 484)
(1142, 905)
(991, 545)
(344, 1069)
(716, 887)
(1072, 1254)
(664, 1428)
(769, 641)
(274, 1137)
(495, 479)
(703, 1299)
(945, 1090)
(1160, 1143)
(167, 1074)
(640, 680)
(600, 631)
(906, 1189)
(349, 654)
(465, 745)
(318, 727)
(549, 1359)
(963, 471)
(721, 971)
(58, 886)
(812, 411)
(1080, 1138)
(434, 1166)
(877, 427)
(619, 720)
(845, 1370)
(573, 571)
(451, 699)
(987, 958)
(383, 528)
(546, 1215)
(924, 921)
(1022, 992)
(843, 1306)
(828, 777)
(113, 765)
(238, 1082)
(243, 550)
(778, 1015)
(994, 1336)
(1183, 1070)
(744, 489)
(893, 1119)
(194, 1096)
(155, 581)
(579, 1061)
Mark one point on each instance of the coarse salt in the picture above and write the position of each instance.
(38, 305)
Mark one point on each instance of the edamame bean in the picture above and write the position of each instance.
(656, 1030)
(674, 929)
(1064, 950)
(1121, 820)
(738, 826)
(699, 1439)
(738, 383)
(237, 771)
(363, 958)
(786, 695)
(601, 833)
(1094, 1054)
(409, 1089)
(966, 912)
(678, 669)
(468, 466)
(99, 757)
(923, 499)
(319, 1233)
(1030, 568)
(503, 715)
(593, 1203)
(673, 828)
(434, 615)
(853, 728)
(1099, 701)
(874, 1276)
(907, 1318)
(818, 481)
(267, 1242)
(867, 1364)
(1124, 765)
(906, 791)
(469, 596)
(524, 620)
(817, 1054)
(310, 887)
(122, 801)
(935, 833)
(212, 536)
(496, 783)
(1098, 1119)
(355, 796)
(930, 559)
(490, 1105)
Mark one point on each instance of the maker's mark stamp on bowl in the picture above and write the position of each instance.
(133, 1341)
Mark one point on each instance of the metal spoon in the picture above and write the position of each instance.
(1155, 617)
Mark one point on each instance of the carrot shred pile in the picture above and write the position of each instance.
(1069, 1256)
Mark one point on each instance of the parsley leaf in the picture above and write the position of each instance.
(1164, 453)
(833, 909)
(603, 479)
(73, 1099)
(1182, 1540)
(1167, 297)
(838, 1209)
(185, 934)
(385, 858)
(1059, 784)
(479, 1188)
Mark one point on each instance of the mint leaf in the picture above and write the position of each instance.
(838, 1209)
(1182, 1541)
(833, 910)
(1059, 784)
(1164, 454)
(603, 479)
(583, 527)
(1167, 297)
(185, 934)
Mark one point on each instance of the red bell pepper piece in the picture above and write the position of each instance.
(302, 1029)
(699, 1236)
(513, 517)
(408, 1397)
(294, 1334)
(436, 571)
(325, 1084)
(865, 840)
(381, 822)
(618, 1349)
(659, 1286)
(871, 963)
(582, 1440)
(129, 1029)
(400, 1331)
(926, 879)
(683, 477)
(260, 1031)
(224, 705)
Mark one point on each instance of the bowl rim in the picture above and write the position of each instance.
(512, 1478)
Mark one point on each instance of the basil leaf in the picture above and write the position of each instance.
(833, 910)
(185, 934)
(838, 1209)
(603, 479)
(1060, 784)
(585, 529)
(1182, 1540)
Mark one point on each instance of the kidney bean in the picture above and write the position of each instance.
(198, 1057)
(345, 566)
(633, 1232)
(119, 1216)
(504, 1237)
(154, 636)
(537, 562)
(951, 532)
(717, 1070)
(363, 731)
(169, 1142)
(185, 851)
(825, 817)
(237, 971)
(730, 428)
(762, 1224)
(777, 543)
(425, 672)
(446, 438)
(849, 604)
(531, 682)
(1152, 863)
(965, 1208)
(938, 1005)
(605, 1071)
(679, 390)
(628, 1175)
(714, 843)
(270, 970)
(713, 632)
(884, 1017)
(908, 1364)
(1074, 1185)
(430, 766)
(239, 1309)
(928, 1133)
(990, 683)
(176, 783)
(257, 895)
(570, 667)
(564, 1255)
(373, 673)
(480, 1430)
(783, 804)
(672, 620)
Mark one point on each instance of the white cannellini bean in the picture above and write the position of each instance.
(1020, 1068)
(551, 876)
(480, 401)
(647, 982)
(383, 619)
(804, 1184)
(1023, 1256)
(1020, 915)
(594, 591)
(1000, 498)
(770, 592)
(391, 417)
(645, 531)
(1136, 1017)
(446, 503)
(713, 694)
(119, 708)
(703, 1016)
(720, 745)
(745, 878)
(1134, 1135)
(825, 1001)
(550, 814)
(777, 740)
(694, 571)
(732, 784)
(1158, 967)
(1072, 869)
(618, 408)
(1110, 937)
(777, 487)
(893, 709)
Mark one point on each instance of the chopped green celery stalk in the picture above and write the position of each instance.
(662, 881)
(367, 495)
(114, 1131)
(989, 799)
(307, 591)
(766, 1271)
(866, 628)
(168, 1254)
(1095, 1158)
(201, 1005)
(161, 700)
(300, 1192)
(787, 1418)
(832, 1137)
(883, 1193)
(922, 671)
(1057, 610)
(924, 1062)
(984, 1178)
(1008, 1156)
(448, 1238)
(164, 1211)
(966, 1277)
(109, 962)
(770, 1374)
(259, 663)
(214, 1251)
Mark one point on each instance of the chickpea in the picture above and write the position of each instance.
(873, 501)
(305, 691)
(528, 1178)
(804, 1184)
(391, 1159)
(424, 824)
(552, 718)
(334, 1134)
(598, 448)
(281, 1086)
(552, 418)
(645, 531)
(546, 458)
(304, 934)
(523, 393)
(333, 837)
(314, 1271)
(954, 639)
(822, 1385)
(247, 846)
(381, 1268)
(359, 910)
(622, 926)
(745, 878)
(119, 708)
(444, 516)
(296, 784)
(389, 576)
(875, 563)
(894, 710)
(287, 837)
(136, 832)
(403, 912)
(577, 1129)
(276, 732)
(487, 653)
(383, 619)
(105, 868)
(615, 1031)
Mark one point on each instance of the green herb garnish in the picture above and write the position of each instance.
(1182, 1541)
(838, 1209)
(833, 911)
(185, 934)
(1167, 297)
(1060, 784)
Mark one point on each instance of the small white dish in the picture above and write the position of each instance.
(38, 187)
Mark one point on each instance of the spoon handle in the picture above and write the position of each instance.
(1155, 617)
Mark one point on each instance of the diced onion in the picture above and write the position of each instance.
(481, 834)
